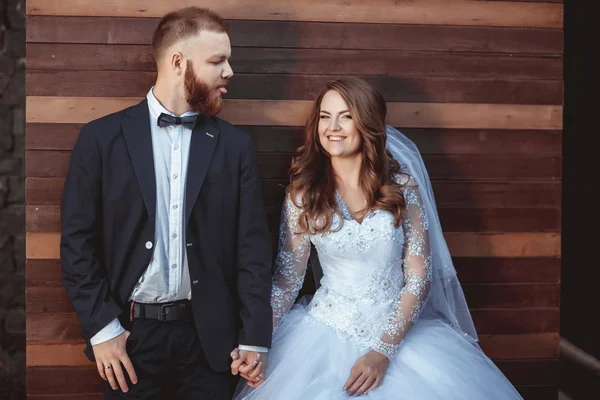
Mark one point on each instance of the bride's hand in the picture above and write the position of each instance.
(367, 373)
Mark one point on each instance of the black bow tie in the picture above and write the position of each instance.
(166, 120)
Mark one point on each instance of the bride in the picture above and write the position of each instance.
(389, 320)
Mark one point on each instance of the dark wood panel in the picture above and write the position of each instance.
(546, 392)
(440, 167)
(282, 139)
(53, 299)
(497, 347)
(525, 295)
(528, 392)
(77, 380)
(56, 327)
(63, 380)
(48, 299)
(447, 193)
(306, 61)
(462, 219)
(498, 194)
(51, 136)
(513, 321)
(507, 270)
(54, 164)
(48, 191)
(304, 87)
(530, 372)
(504, 347)
(78, 396)
(454, 219)
(44, 191)
(47, 273)
(49, 29)
(64, 326)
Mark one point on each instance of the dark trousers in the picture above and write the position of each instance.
(170, 364)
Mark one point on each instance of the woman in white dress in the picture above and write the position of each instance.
(389, 320)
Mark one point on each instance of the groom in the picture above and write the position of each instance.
(165, 249)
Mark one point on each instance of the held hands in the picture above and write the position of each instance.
(109, 357)
(367, 373)
(250, 365)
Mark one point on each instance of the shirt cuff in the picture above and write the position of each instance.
(110, 331)
(253, 348)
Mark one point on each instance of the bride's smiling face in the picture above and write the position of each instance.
(338, 133)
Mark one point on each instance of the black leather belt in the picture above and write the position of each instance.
(175, 311)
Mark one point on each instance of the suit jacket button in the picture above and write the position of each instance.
(148, 245)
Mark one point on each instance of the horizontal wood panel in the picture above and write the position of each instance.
(497, 347)
(440, 167)
(53, 299)
(47, 273)
(304, 87)
(528, 392)
(455, 219)
(61, 56)
(54, 164)
(73, 380)
(477, 86)
(462, 12)
(79, 396)
(291, 34)
(530, 372)
(53, 326)
(461, 244)
(278, 139)
(470, 219)
(545, 392)
(503, 347)
(507, 270)
(43, 273)
(522, 295)
(467, 244)
(48, 191)
(63, 380)
(48, 109)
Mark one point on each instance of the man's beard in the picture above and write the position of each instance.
(199, 96)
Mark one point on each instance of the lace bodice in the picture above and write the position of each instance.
(376, 277)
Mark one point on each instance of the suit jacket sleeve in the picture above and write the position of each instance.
(254, 256)
(84, 275)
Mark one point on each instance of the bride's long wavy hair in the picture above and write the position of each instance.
(312, 179)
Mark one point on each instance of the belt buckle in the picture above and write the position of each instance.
(162, 316)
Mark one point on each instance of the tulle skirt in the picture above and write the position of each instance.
(311, 361)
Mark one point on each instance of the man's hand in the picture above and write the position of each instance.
(250, 365)
(109, 357)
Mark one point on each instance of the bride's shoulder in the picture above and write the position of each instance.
(293, 201)
(405, 180)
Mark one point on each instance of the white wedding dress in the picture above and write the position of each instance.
(376, 279)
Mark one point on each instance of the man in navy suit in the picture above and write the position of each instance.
(165, 248)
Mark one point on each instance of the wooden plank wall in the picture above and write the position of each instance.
(476, 84)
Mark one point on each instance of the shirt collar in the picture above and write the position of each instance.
(156, 108)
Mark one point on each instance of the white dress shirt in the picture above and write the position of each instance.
(167, 276)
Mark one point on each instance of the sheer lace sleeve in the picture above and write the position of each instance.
(290, 264)
(417, 274)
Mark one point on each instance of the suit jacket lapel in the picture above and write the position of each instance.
(202, 145)
(138, 137)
